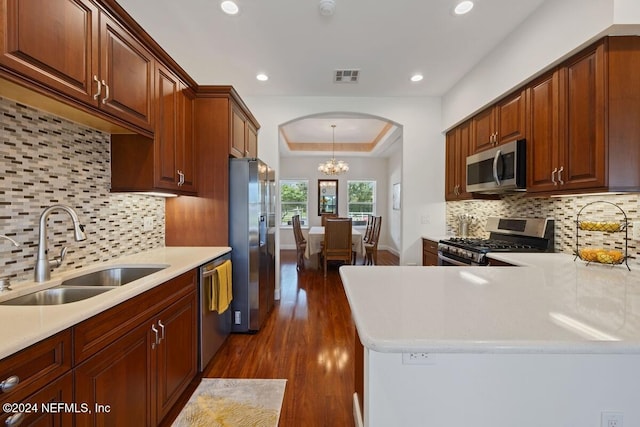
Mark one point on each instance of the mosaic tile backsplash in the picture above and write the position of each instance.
(46, 160)
(564, 210)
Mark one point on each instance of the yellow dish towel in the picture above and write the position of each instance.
(222, 292)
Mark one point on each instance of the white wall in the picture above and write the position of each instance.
(394, 221)
(556, 29)
(423, 211)
(488, 390)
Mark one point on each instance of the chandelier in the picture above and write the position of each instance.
(331, 166)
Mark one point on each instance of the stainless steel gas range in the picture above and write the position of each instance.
(505, 235)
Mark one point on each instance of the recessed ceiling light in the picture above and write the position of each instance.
(417, 77)
(463, 7)
(262, 77)
(229, 7)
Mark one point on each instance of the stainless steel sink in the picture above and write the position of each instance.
(112, 276)
(56, 296)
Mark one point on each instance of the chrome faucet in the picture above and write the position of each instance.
(43, 264)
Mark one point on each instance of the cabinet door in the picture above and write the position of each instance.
(252, 140)
(166, 134)
(511, 118)
(119, 376)
(126, 68)
(177, 352)
(483, 128)
(543, 143)
(185, 150)
(54, 43)
(462, 151)
(451, 175)
(583, 159)
(238, 129)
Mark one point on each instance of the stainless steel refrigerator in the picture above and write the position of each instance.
(251, 234)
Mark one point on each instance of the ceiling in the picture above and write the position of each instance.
(300, 50)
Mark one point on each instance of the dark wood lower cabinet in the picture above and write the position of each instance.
(142, 375)
(119, 376)
(60, 390)
(429, 252)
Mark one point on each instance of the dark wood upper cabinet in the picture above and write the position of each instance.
(54, 43)
(244, 135)
(78, 51)
(584, 122)
(126, 75)
(503, 122)
(543, 138)
(457, 143)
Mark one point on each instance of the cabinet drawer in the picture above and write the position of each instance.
(430, 246)
(61, 390)
(102, 329)
(36, 366)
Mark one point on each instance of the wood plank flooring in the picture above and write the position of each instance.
(308, 340)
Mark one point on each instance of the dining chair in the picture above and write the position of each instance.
(325, 216)
(337, 241)
(301, 243)
(367, 231)
(371, 247)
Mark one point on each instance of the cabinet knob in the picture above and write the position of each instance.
(9, 384)
(14, 420)
(97, 94)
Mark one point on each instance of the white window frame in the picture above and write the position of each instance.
(304, 220)
(374, 196)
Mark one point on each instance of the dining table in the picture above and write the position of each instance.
(316, 237)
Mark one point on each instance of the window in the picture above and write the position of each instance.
(362, 200)
(294, 200)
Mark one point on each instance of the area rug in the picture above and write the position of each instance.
(233, 403)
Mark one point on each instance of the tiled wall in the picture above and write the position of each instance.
(564, 210)
(46, 160)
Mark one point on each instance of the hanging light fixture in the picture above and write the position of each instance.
(333, 167)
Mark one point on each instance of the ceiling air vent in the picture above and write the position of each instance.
(346, 76)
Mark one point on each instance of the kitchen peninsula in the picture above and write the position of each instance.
(551, 342)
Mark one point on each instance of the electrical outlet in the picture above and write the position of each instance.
(237, 319)
(417, 359)
(147, 223)
(611, 419)
(635, 230)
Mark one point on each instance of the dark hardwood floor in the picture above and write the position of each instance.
(308, 339)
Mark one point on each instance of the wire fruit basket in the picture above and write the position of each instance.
(615, 221)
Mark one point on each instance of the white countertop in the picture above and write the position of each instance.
(26, 325)
(550, 304)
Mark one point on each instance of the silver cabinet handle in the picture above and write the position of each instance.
(560, 175)
(162, 330)
(10, 383)
(155, 344)
(106, 93)
(552, 178)
(180, 178)
(495, 167)
(97, 94)
(14, 420)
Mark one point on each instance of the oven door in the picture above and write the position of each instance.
(444, 260)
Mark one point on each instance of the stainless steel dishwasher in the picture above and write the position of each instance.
(214, 328)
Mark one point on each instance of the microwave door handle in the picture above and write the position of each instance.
(495, 167)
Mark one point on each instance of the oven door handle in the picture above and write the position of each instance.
(495, 168)
(452, 261)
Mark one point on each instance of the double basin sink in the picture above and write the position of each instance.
(86, 286)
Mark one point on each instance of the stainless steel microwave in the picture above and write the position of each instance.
(499, 169)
